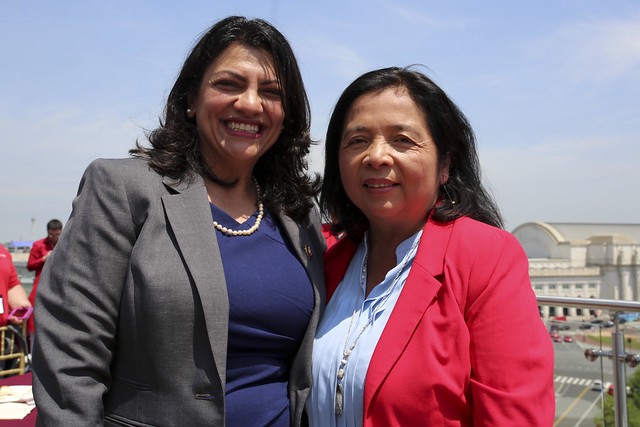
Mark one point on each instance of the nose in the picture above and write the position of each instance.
(378, 154)
(249, 102)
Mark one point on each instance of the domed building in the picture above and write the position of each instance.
(582, 261)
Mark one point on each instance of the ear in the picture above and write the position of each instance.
(444, 170)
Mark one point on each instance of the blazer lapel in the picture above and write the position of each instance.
(310, 253)
(417, 295)
(189, 216)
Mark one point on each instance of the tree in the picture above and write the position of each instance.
(634, 388)
(633, 405)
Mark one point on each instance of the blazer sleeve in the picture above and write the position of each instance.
(510, 350)
(78, 300)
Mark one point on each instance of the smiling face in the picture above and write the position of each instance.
(238, 110)
(388, 161)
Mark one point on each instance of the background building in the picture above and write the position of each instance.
(583, 261)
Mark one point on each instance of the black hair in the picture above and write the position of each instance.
(54, 224)
(281, 171)
(451, 133)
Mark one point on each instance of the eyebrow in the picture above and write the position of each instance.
(361, 128)
(241, 77)
(353, 129)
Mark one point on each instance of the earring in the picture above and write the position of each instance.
(189, 111)
(453, 202)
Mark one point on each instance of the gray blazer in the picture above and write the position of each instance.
(132, 308)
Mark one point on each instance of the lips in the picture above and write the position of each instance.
(379, 184)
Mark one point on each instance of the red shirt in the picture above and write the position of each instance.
(8, 279)
(39, 249)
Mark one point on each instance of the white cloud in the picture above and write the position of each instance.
(594, 50)
(417, 16)
(336, 58)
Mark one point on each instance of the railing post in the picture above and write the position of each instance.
(619, 375)
(617, 353)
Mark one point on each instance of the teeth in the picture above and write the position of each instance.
(244, 127)
(379, 185)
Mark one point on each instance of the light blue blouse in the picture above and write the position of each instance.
(345, 317)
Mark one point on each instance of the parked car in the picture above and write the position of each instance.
(553, 334)
(611, 388)
(560, 326)
(585, 326)
(557, 339)
(567, 338)
(564, 326)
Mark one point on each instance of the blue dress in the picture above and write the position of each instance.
(270, 304)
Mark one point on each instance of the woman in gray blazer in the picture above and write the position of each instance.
(187, 284)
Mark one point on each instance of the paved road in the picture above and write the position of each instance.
(576, 403)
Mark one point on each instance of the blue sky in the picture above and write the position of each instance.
(552, 89)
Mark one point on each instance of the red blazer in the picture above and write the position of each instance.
(465, 345)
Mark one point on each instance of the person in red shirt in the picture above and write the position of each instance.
(40, 251)
(12, 294)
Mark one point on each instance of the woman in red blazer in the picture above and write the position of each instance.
(432, 320)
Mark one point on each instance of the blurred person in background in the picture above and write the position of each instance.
(40, 252)
(12, 294)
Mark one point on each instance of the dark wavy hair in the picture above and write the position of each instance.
(281, 171)
(54, 224)
(451, 133)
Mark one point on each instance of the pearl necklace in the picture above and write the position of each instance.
(382, 302)
(249, 231)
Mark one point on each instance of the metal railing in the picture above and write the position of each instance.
(617, 353)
